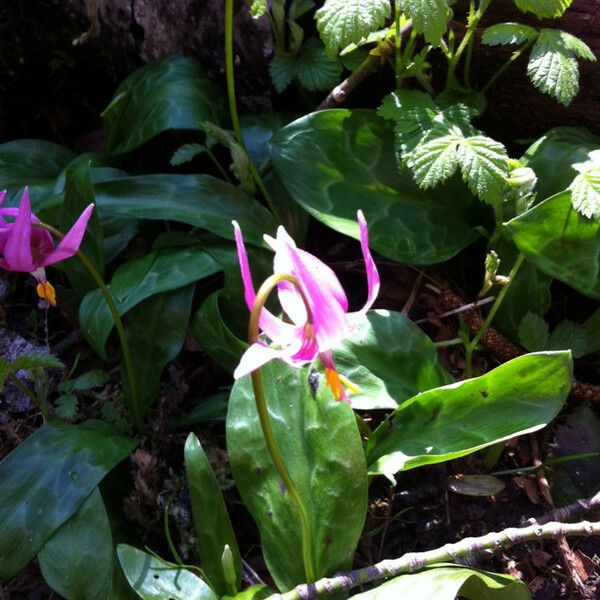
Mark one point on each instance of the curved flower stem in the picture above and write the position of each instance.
(263, 413)
(235, 120)
(135, 406)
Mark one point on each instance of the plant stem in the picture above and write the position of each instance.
(471, 27)
(135, 405)
(235, 120)
(263, 413)
(398, 41)
(467, 69)
(446, 343)
(416, 561)
(470, 347)
(548, 463)
(507, 64)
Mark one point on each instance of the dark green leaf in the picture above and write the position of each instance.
(156, 331)
(153, 579)
(77, 561)
(211, 408)
(518, 397)
(569, 336)
(35, 360)
(533, 332)
(88, 381)
(257, 131)
(186, 153)
(282, 70)
(211, 520)
(138, 279)
(447, 582)
(45, 481)
(320, 444)
(315, 70)
(66, 406)
(592, 328)
(169, 93)
(348, 158)
(560, 242)
(390, 360)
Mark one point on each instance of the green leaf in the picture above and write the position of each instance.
(348, 157)
(66, 406)
(79, 192)
(544, 8)
(138, 279)
(585, 189)
(508, 33)
(316, 70)
(299, 8)
(447, 582)
(211, 408)
(46, 479)
(169, 93)
(533, 332)
(592, 329)
(282, 70)
(77, 561)
(214, 336)
(569, 336)
(518, 397)
(211, 520)
(186, 153)
(429, 17)
(88, 381)
(320, 445)
(256, 592)
(560, 242)
(197, 200)
(156, 331)
(32, 163)
(152, 579)
(35, 360)
(390, 359)
(435, 161)
(552, 67)
(342, 22)
(257, 131)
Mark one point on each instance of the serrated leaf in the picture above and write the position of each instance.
(435, 161)
(66, 407)
(343, 22)
(186, 153)
(484, 165)
(32, 361)
(585, 188)
(508, 33)
(544, 8)
(317, 71)
(282, 70)
(552, 67)
(429, 17)
(533, 332)
(569, 336)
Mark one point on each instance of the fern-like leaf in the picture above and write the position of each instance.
(508, 33)
(429, 17)
(544, 8)
(343, 22)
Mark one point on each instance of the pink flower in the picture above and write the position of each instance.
(29, 249)
(305, 339)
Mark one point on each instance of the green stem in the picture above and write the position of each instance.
(219, 166)
(263, 413)
(515, 55)
(470, 347)
(135, 406)
(446, 343)
(548, 463)
(467, 69)
(472, 26)
(39, 400)
(235, 120)
(398, 40)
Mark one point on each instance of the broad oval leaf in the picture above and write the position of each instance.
(390, 360)
(321, 447)
(211, 520)
(77, 561)
(446, 582)
(46, 479)
(138, 279)
(520, 396)
(152, 579)
(348, 158)
(561, 242)
(169, 93)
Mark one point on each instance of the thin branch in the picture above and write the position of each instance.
(566, 513)
(416, 561)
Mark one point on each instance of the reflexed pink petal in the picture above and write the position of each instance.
(372, 272)
(69, 245)
(17, 250)
(255, 357)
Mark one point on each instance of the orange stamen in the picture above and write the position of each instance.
(45, 290)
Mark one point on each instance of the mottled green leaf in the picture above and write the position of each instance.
(46, 479)
(518, 397)
(169, 93)
(211, 520)
(348, 158)
(320, 444)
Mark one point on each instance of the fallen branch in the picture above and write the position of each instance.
(416, 561)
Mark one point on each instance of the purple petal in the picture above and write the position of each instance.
(69, 245)
(372, 273)
(17, 250)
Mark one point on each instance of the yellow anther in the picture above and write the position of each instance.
(45, 290)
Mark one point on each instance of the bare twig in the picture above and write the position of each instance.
(416, 561)
(571, 511)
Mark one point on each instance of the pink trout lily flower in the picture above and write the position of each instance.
(29, 249)
(314, 333)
